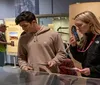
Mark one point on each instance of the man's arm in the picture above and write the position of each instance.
(5, 43)
(60, 50)
(22, 57)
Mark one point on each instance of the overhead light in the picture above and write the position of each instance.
(77, 2)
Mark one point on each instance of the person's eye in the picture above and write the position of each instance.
(25, 25)
(79, 25)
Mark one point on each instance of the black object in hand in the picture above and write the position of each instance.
(74, 31)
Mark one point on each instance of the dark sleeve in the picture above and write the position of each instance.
(76, 55)
(95, 69)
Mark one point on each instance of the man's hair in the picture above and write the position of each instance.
(25, 16)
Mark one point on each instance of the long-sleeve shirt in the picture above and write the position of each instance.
(90, 58)
(41, 47)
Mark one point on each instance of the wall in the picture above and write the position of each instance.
(52, 6)
(7, 9)
(74, 9)
(26, 5)
(45, 7)
(59, 6)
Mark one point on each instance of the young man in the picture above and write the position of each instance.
(3, 43)
(40, 48)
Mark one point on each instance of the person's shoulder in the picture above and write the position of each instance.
(24, 37)
(51, 31)
(54, 33)
(23, 33)
(98, 36)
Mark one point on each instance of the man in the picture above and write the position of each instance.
(39, 48)
(3, 43)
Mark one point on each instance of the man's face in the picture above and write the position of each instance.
(3, 29)
(26, 26)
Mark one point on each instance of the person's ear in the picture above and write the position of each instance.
(34, 21)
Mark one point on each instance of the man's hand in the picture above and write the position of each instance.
(52, 63)
(11, 43)
(26, 68)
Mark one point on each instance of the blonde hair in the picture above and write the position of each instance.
(89, 18)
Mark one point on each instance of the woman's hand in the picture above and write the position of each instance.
(73, 41)
(85, 71)
(52, 63)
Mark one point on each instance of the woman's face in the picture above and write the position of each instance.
(82, 27)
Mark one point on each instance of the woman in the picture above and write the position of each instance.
(87, 52)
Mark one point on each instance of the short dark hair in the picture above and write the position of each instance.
(25, 16)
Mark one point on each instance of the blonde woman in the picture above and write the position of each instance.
(88, 51)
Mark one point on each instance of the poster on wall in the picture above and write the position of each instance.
(13, 36)
(24, 5)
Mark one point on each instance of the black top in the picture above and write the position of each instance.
(91, 57)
